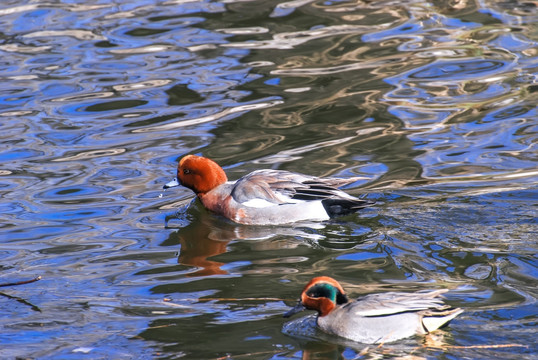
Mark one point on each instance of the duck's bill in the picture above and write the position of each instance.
(172, 183)
(298, 308)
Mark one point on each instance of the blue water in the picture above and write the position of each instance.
(433, 103)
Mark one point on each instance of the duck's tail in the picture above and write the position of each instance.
(339, 206)
(434, 319)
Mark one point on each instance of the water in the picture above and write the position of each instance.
(434, 103)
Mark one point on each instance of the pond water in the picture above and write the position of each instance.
(434, 103)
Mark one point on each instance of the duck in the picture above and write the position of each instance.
(266, 197)
(374, 318)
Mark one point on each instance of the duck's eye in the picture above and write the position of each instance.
(186, 171)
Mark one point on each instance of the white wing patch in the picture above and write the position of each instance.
(258, 203)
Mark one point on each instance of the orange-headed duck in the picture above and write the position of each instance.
(265, 197)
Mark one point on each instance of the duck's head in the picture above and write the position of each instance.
(199, 174)
(322, 294)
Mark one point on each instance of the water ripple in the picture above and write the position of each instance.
(458, 70)
(289, 40)
(210, 118)
(77, 34)
(432, 103)
(91, 154)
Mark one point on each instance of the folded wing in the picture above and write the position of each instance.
(277, 187)
(395, 302)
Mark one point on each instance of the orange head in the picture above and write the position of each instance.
(200, 174)
(322, 294)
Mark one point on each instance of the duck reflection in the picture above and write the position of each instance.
(207, 235)
(320, 350)
(203, 237)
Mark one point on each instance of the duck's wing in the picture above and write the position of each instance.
(396, 302)
(275, 187)
(270, 186)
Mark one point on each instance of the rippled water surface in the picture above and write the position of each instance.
(434, 103)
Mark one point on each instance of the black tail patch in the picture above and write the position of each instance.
(338, 207)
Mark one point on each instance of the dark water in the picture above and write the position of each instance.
(434, 102)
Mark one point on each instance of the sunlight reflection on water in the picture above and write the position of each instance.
(432, 104)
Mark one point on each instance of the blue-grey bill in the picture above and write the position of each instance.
(297, 308)
(171, 184)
